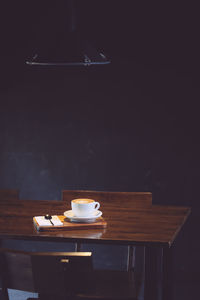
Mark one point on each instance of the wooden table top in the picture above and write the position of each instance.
(130, 220)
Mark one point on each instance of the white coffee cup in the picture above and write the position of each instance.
(83, 207)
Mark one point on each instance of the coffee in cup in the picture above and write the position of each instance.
(83, 207)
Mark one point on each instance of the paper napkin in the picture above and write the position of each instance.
(56, 221)
(44, 222)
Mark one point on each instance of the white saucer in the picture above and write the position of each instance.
(88, 219)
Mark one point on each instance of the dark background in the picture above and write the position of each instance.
(130, 126)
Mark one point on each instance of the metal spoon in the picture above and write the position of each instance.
(48, 217)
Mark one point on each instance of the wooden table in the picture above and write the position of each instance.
(132, 220)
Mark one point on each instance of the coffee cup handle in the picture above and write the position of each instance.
(97, 205)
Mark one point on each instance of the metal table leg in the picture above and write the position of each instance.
(77, 247)
(158, 273)
(167, 274)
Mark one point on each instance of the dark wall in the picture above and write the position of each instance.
(129, 126)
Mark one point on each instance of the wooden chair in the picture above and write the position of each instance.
(15, 271)
(62, 275)
(72, 276)
(9, 194)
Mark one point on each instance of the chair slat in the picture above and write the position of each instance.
(128, 198)
(9, 194)
(61, 273)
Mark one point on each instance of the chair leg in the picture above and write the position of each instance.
(77, 247)
(130, 258)
(4, 294)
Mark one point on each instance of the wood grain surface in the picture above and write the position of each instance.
(130, 220)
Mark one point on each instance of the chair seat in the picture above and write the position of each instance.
(107, 285)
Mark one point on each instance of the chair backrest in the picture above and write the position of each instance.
(136, 199)
(49, 273)
(7, 195)
(61, 273)
(16, 270)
